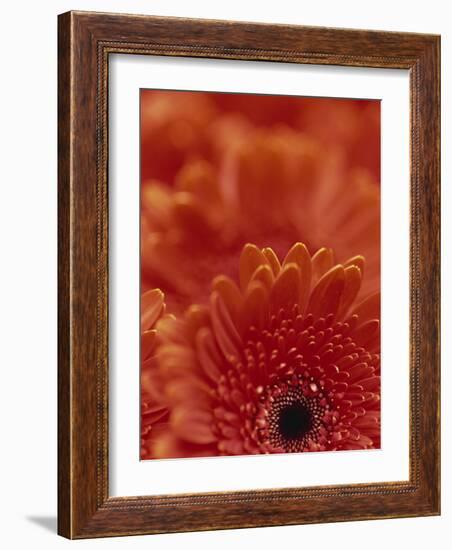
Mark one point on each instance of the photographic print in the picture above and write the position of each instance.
(260, 274)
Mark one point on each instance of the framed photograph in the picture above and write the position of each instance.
(248, 275)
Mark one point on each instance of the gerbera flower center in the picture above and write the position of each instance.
(294, 421)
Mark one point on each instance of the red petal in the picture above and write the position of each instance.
(286, 289)
(369, 308)
(326, 296)
(299, 255)
(351, 288)
(322, 261)
(225, 331)
(152, 306)
(250, 259)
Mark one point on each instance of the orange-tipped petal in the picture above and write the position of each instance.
(272, 259)
(326, 296)
(250, 259)
(264, 274)
(148, 339)
(152, 307)
(322, 261)
(225, 331)
(299, 254)
(286, 289)
(197, 316)
(255, 306)
(208, 354)
(352, 285)
(230, 294)
(357, 261)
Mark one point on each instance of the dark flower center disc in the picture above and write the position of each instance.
(295, 421)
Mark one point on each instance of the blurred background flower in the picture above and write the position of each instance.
(178, 126)
(221, 170)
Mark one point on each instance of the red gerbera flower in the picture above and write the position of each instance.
(287, 362)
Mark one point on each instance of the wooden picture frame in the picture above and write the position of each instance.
(86, 40)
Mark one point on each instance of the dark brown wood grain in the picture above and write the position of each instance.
(64, 295)
(85, 508)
